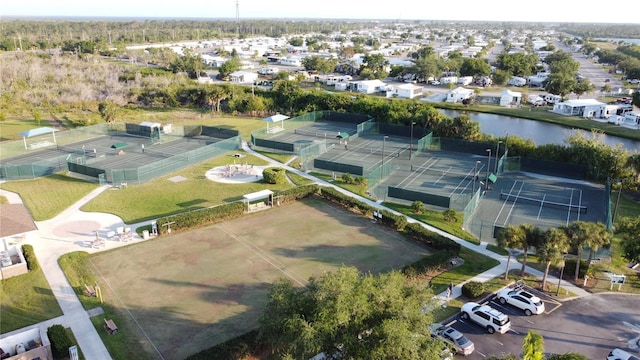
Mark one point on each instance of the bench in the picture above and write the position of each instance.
(90, 290)
(110, 326)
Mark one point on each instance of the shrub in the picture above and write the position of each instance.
(60, 341)
(417, 207)
(275, 175)
(347, 178)
(30, 257)
(361, 181)
(473, 289)
(428, 263)
(450, 215)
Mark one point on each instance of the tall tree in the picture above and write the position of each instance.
(533, 237)
(578, 235)
(628, 229)
(583, 86)
(598, 237)
(368, 316)
(510, 238)
(374, 66)
(552, 250)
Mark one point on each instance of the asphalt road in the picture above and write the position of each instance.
(591, 326)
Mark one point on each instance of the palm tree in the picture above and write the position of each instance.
(599, 236)
(552, 250)
(532, 238)
(578, 234)
(508, 238)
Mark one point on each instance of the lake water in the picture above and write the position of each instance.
(541, 133)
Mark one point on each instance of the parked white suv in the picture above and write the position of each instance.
(486, 316)
(618, 354)
(521, 299)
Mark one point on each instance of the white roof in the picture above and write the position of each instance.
(242, 73)
(511, 93)
(408, 86)
(374, 82)
(582, 102)
(150, 124)
(460, 90)
(257, 195)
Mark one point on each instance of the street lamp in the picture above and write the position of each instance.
(506, 141)
(475, 175)
(411, 140)
(495, 169)
(486, 184)
(383, 140)
(561, 274)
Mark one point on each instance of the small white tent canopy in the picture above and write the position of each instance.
(36, 132)
(248, 199)
(275, 118)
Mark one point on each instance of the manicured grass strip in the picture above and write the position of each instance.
(435, 219)
(3, 200)
(474, 264)
(48, 196)
(299, 180)
(26, 300)
(162, 197)
(283, 158)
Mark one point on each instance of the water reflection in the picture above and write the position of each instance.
(540, 132)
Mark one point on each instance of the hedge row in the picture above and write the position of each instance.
(225, 212)
(240, 347)
(202, 217)
(434, 261)
(60, 341)
(30, 257)
(422, 235)
(347, 201)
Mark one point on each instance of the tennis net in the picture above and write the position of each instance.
(320, 134)
(444, 172)
(550, 204)
(372, 151)
(71, 150)
(157, 153)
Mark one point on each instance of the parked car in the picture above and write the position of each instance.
(486, 316)
(454, 338)
(521, 299)
(434, 82)
(618, 354)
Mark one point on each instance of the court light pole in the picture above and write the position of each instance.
(506, 141)
(475, 175)
(383, 141)
(486, 184)
(495, 168)
(411, 140)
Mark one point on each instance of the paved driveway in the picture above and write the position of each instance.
(591, 325)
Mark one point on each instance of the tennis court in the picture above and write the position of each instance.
(367, 150)
(524, 198)
(329, 131)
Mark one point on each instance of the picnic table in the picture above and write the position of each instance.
(110, 326)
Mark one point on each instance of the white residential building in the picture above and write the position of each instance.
(589, 108)
(405, 91)
(459, 94)
(510, 98)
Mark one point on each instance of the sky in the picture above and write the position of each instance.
(589, 11)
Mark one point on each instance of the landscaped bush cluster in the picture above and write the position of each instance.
(60, 341)
(201, 217)
(30, 257)
(570, 267)
(275, 175)
(473, 289)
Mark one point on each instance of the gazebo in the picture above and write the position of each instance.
(37, 132)
(274, 119)
(252, 200)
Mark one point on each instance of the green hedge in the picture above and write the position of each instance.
(422, 235)
(202, 217)
(347, 201)
(473, 289)
(240, 347)
(570, 268)
(30, 257)
(296, 193)
(60, 341)
(428, 263)
(275, 175)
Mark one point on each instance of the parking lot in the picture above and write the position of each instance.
(591, 326)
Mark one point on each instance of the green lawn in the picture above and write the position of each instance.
(48, 196)
(26, 300)
(474, 264)
(435, 219)
(10, 129)
(162, 197)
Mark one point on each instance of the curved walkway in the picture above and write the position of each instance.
(74, 230)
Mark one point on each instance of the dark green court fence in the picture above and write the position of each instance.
(165, 166)
(34, 170)
(425, 198)
(339, 167)
(546, 167)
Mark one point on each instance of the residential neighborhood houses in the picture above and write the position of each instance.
(263, 58)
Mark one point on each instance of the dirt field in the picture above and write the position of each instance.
(195, 289)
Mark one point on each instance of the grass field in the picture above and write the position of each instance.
(192, 290)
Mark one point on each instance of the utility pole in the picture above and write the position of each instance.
(238, 18)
